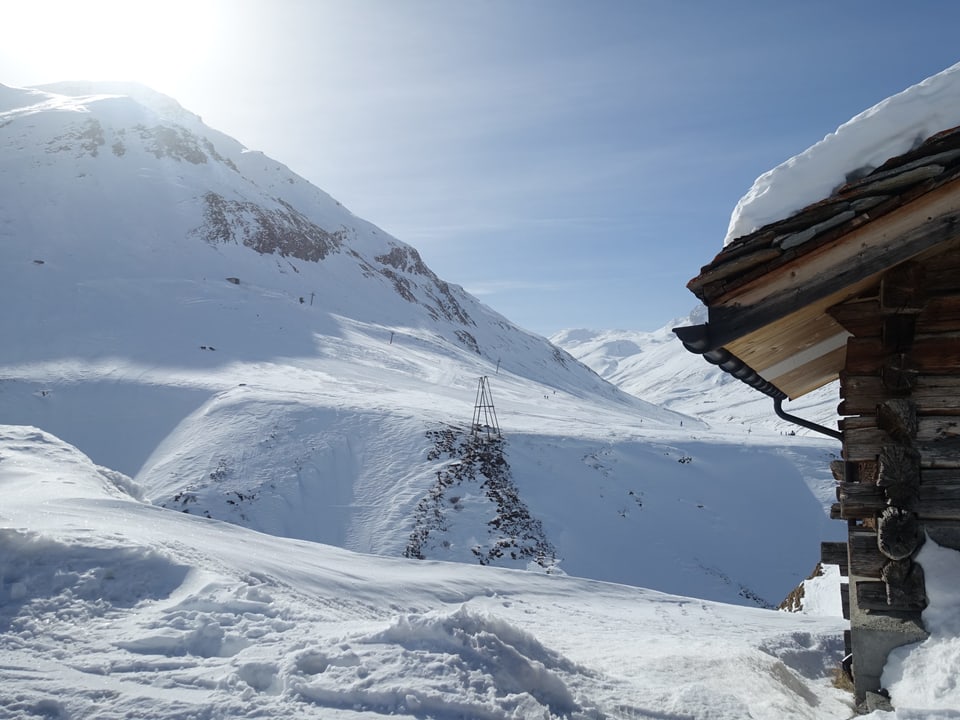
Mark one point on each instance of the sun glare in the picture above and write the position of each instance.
(156, 43)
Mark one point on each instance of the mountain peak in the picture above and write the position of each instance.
(164, 105)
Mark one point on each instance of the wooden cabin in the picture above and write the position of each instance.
(863, 286)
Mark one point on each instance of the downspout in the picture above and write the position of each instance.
(778, 408)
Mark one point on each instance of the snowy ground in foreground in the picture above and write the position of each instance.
(113, 608)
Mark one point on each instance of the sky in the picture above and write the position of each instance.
(572, 164)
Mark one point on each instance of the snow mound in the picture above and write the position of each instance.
(112, 608)
(924, 679)
(484, 660)
(889, 128)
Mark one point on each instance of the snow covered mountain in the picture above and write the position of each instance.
(198, 317)
(125, 211)
(656, 367)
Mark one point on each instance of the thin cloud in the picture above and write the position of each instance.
(496, 287)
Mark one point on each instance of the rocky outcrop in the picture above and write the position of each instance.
(283, 231)
(403, 261)
(479, 474)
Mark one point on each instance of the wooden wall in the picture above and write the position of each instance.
(900, 475)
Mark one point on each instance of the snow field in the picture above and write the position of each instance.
(112, 607)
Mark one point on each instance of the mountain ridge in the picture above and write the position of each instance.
(224, 195)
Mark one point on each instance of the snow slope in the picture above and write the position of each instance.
(125, 211)
(195, 315)
(114, 608)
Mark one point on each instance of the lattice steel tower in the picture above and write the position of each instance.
(484, 414)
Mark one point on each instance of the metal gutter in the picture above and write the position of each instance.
(696, 339)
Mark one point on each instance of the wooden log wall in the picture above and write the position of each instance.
(900, 395)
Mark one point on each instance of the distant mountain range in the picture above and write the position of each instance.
(656, 367)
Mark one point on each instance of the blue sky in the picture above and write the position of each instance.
(572, 164)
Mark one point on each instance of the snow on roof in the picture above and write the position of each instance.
(889, 128)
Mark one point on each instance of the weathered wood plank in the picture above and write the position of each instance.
(865, 355)
(860, 443)
(902, 289)
(931, 429)
(942, 314)
(932, 394)
(935, 429)
(898, 417)
(859, 422)
(835, 553)
(946, 508)
(863, 317)
(859, 316)
(872, 596)
(930, 354)
(937, 499)
(860, 500)
(942, 273)
(866, 560)
(865, 443)
(944, 478)
(845, 602)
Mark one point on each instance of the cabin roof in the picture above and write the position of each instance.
(769, 293)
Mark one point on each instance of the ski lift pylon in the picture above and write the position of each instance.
(484, 414)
